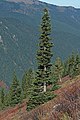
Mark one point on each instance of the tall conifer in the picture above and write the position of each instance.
(27, 83)
(2, 102)
(2, 95)
(58, 69)
(15, 91)
(44, 53)
(40, 94)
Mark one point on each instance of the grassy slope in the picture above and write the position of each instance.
(67, 96)
(19, 53)
(55, 108)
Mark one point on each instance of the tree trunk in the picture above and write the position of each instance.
(44, 81)
(45, 87)
(60, 78)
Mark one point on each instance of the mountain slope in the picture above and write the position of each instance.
(19, 34)
(67, 101)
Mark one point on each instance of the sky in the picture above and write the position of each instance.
(74, 3)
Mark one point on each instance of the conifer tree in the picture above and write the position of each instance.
(2, 95)
(66, 66)
(7, 99)
(27, 83)
(44, 53)
(15, 91)
(71, 63)
(77, 65)
(58, 69)
(39, 94)
(24, 86)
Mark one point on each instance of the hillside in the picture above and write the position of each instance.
(19, 34)
(3, 85)
(67, 101)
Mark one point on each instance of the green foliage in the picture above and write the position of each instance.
(2, 95)
(7, 99)
(44, 53)
(15, 29)
(72, 65)
(57, 70)
(27, 83)
(15, 92)
(66, 35)
(77, 65)
(55, 87)
(38, 99)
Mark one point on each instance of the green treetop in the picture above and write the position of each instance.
(27, 83)
(76, 65)
(2, 95)
(15, 91)
(58, 69)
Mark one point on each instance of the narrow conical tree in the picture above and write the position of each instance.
(71, 65)
(58, 69)
(2, 95)
(27, 83)
(2, 101)
(40, 94)
(66, 68)
(15, 91)
(77, 65)
(44, 53)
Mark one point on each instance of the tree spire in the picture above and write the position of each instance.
(44, 53)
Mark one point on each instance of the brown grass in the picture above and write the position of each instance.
(67, 102)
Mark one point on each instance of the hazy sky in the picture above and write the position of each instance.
(75, 3)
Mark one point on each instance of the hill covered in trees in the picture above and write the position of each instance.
(45, 83)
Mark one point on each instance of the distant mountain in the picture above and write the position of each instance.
(25, 1)
(19, 34)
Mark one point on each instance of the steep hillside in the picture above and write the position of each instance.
(67, 101)
(19, 34)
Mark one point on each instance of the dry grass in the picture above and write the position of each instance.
(67, 101)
